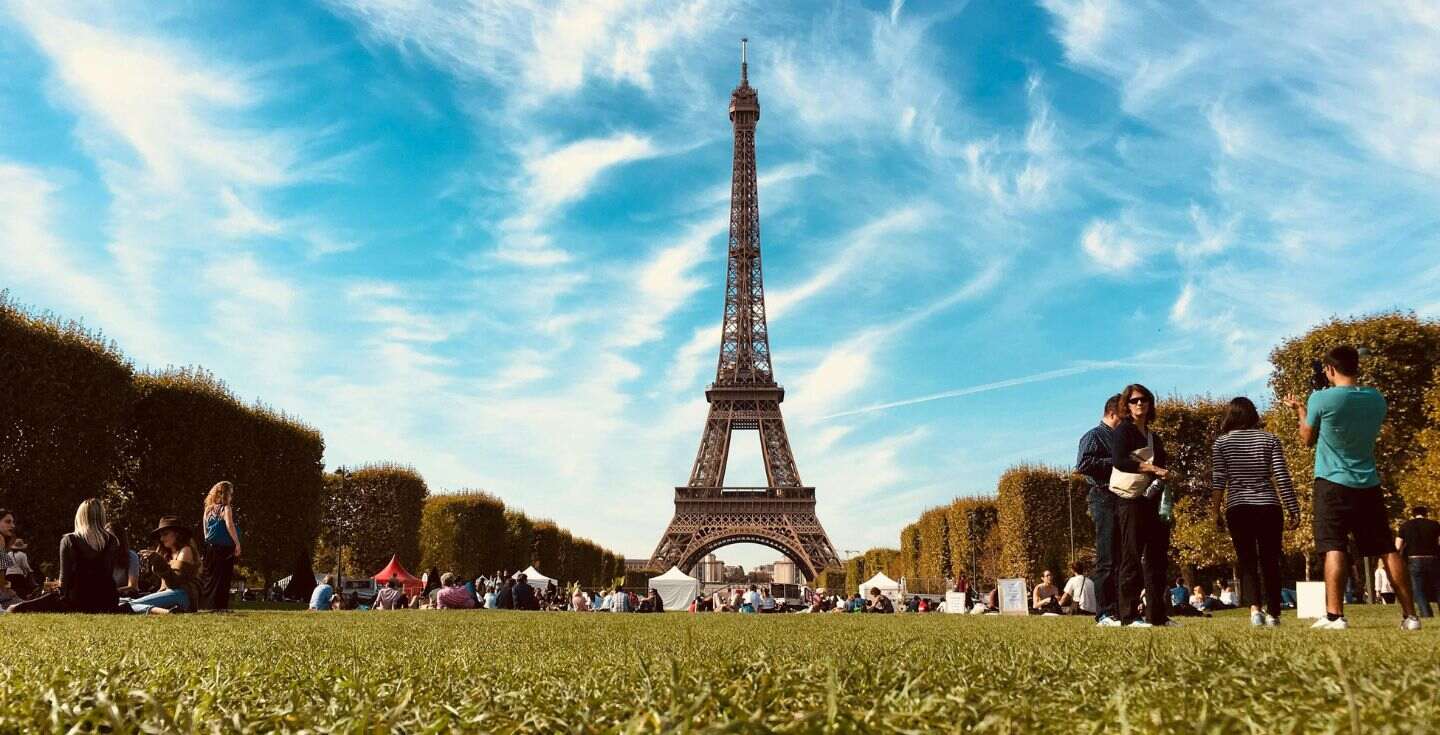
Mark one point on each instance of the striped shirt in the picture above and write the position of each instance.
(1250, 467)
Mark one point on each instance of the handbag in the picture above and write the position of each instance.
(1134, 484)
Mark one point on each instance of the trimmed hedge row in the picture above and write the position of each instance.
(65, 396)
(369, 514)
(1032, 520)
(77, 422)
(187, 431)
(974, 548)
(469, 532)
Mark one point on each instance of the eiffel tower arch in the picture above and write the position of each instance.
(744, 397)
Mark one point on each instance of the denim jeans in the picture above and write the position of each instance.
(1102, 512)
(1425, 582)
(169, 599)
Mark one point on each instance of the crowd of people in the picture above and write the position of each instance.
(1132, 493)
(1130, 499)
(100, 573)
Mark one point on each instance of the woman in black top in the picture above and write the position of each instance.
(1142, 537)
(87, 564)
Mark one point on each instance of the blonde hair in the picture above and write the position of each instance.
(219, 495)
(90, 523)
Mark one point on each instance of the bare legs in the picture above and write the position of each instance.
(1337, 573)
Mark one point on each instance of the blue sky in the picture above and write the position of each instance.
(487, 238)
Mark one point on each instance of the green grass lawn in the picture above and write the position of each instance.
(550, 672)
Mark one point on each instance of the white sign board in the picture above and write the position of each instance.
(955, 603)
(1309, 600)
(1012, 597)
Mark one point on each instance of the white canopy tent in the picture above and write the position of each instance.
(534, 578)
(676, 588)
(887, 586)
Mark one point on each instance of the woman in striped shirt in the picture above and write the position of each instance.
(1248, 465)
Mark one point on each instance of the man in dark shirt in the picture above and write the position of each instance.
(1094, 462)
(505, 598)
(1419, 541)
(524, 595)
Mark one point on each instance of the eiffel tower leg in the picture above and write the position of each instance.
(714, 453)
(775, 445)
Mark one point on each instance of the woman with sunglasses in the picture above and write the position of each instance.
(1142, 537)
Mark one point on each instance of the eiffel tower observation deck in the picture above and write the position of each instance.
(745, 397)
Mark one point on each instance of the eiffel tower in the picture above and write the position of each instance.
(745, 397)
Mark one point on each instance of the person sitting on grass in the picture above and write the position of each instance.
(1079, 596)
(879, 603)
(176, 561)
(1227, 596)
(87, 558)
(324, 594)
(127, 563)
(1045, 598)
(652, 603)
(767, 602)
(579, 601)
(751, 601)
(390, 597)
(453, 595)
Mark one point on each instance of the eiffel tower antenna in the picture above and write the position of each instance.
(744, 397)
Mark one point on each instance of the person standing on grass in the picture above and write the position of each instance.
(324, 594)
(222, 547)
(1095, 461)
(524, 594)
(1139, 459)
(1419, 541)
(1385, 591)
(1342, 422)
(18, 573)
(1248, 467)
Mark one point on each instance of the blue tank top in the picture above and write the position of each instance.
(216, 534)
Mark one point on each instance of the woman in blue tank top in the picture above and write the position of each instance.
(222, 547)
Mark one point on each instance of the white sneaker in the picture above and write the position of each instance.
(1257, 618)
(1328, 624)
(1410, 623)
(1107, 622)
(1139, 624)
(1271, 621)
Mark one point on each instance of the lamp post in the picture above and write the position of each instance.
(344, 475)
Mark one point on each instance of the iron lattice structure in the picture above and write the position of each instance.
(745, 397)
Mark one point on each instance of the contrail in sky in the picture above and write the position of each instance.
(997, 385)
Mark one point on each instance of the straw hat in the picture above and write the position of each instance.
(170, 523)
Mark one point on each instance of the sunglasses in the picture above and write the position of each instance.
(1139, 400)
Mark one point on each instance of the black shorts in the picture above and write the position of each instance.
(1342, 511)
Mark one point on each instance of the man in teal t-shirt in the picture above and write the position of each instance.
(1342, 423)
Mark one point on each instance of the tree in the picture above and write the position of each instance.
(1033, 520)
(1188, 426)
(1403, 354)
(65, 395)
(375, 511)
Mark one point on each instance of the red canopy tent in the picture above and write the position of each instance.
(393, 570)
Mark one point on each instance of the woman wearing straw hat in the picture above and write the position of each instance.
(176, 562)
